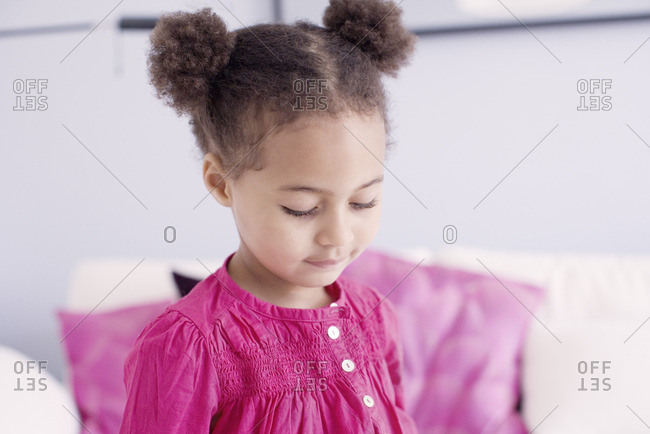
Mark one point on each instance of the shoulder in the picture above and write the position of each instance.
(171, 333)
(188, 322)
(203, 306)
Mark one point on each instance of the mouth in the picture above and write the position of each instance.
(327, 263)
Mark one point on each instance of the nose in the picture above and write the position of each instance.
(336, 229)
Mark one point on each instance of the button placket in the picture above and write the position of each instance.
(349, 366)
(359, 384)
(339, 351)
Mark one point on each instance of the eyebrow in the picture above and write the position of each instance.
(308, 189)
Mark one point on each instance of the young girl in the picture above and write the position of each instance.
(292, 122)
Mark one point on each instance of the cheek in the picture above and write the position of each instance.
(368, 228)
(271, 232)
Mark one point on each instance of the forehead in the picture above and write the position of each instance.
(319, 147)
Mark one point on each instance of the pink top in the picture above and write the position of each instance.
(222, 360)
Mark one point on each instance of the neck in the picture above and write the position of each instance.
(252, 277)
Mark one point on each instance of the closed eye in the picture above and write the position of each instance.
(295, 213)
(367, 205)
(355, 205)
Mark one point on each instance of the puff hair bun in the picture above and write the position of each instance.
(189, 49)
(375, 27)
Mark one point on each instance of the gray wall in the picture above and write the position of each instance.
(470, 110)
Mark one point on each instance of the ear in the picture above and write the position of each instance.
(214, 178)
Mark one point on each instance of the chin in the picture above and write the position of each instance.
(326, 278)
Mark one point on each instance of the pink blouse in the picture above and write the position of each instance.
(222, 360)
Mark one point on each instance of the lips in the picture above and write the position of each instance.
(326, 262)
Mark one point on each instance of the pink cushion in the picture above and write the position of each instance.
(96, 348)
(462, 336)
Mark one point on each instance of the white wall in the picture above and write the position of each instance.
(466, 112)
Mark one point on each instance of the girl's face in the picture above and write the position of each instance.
(317, 198)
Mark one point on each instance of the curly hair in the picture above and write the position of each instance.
(236, 86)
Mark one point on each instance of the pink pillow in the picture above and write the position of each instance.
(462, 335)
(96, 349)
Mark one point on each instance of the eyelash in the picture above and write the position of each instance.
(298, 214)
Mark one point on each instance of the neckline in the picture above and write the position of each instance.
(335, 290)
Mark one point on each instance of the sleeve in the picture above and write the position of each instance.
(393, 352)
(171, 383)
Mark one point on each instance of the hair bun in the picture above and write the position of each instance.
(375, 27)
(187, 51)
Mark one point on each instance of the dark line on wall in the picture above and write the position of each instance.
(539, 23)
(28, 31)
(134, 23)
(148, 23)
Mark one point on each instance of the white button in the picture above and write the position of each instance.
(333, 332)
(333, 304)
(348, 365)
(368, 401)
